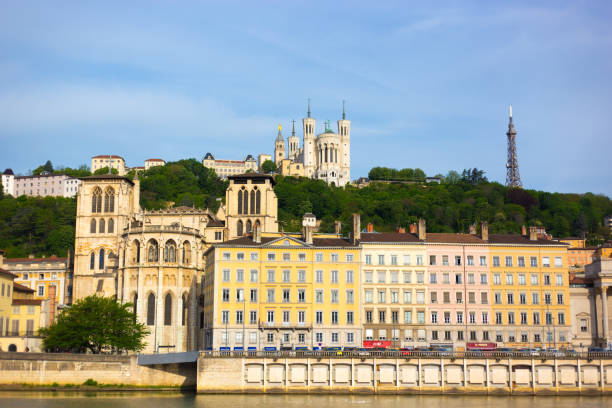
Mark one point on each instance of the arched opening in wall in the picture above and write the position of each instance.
(92, 226)
(109, 200)
(96, 200)
(168, 310)
(135, 252)
(249, 226)
(245, 201)
(111, 225)
(258, 202)
(101, 260)
(12, 348)
(152, 251)
(92, 260)
(151, 310)
(240, 201)
(186, 252)
(253, 201)
(257, 226)
(239, 228)
(101, 226)
(135, 305)
(185, 310)
(170, 252)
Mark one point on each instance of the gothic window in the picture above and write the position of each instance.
(252, 202)
(151, 310)
(258, 204)
(111, 225)
(186, 253)
(249, 226)
(96, 200)
(185, 310)
(153, 251)
(239, 201)
(135, 252)
(326, 153)
(257, 225)
(239, 228)
(170, 252)
(245, 202)
(101, 260)
(92, 261)
(101, 226)
(92, 226)
(109, 200)
(168, 310)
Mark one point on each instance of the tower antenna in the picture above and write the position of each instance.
(344, 114)
(513, 177)
(308, 107)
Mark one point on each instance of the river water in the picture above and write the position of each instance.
(177, 400)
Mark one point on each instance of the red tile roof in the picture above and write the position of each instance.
(27, 302)
(22, 288)
(388, 237)
(515, 239)
(106, 156)
(52, 258)
(7, 273)
(451, 238)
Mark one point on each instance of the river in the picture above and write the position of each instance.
(177, 400)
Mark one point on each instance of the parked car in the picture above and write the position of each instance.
(406, 351)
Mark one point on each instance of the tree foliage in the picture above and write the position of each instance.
(104, 170)
(386, 173)
(268, 167)
(95, 324)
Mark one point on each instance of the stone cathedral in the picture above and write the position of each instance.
(155, 259)
(326, 156)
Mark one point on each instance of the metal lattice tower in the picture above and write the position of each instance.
(513, 177)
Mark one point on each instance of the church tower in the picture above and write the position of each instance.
(309, 144)
(344, 130)
(279, 148)
(294, 143)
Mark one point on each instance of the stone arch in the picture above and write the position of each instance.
(168, 309)
(152, 251)
(257, 225)
(92, 261)
(186, 252)
(135, 252)
(252, 202)
(240, 200)
(101, 259)
(109, 200)
(101, 226)
(249, 226)
(92, 226)
(96, 200)
(151, 309)
(170, 251)
(239, 228)
(245, 201)
(110, 225)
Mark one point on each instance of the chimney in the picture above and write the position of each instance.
(308, 234)
(338, 227)
(533, 233)
(413, 228)
(422, 230)
(356, 228)
(484, 231)
(523, 230)
(257, 234)
(370, 227)
(52, 305)
(473, 229)
(401, 230)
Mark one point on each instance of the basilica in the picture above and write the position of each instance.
(326, 156)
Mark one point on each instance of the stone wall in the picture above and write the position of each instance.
(404, 375)
(46, 369)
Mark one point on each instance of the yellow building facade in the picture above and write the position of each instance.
(530, 291)
(282, 291)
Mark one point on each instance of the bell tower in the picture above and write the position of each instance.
(294, 143)
(344, 130)
(309, 124)
(279, 148)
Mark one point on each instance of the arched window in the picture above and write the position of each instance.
(109, 200)
(257, 225)
(92, 226)
(249, 226)
(96, 200)
(92, 260)
(170, 252)
(101, 226)
(168, 310)
(245, 201)
(252, 201)
(239, 201)
(258, 202)
(151, 310)
(186, 253)
(239, 228)
(101, 259)
(111, 225)
(135, 252)
(185, 310)
(135, 307)
(153, 251)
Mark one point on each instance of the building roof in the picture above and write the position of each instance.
(249, 176)
(22, 288)
(215, 223)
(8, 172)
(46, 174)
(317, 242)
(182, 209)
(452, 238)
(388, 237)
(155, 160)
(209, 156)
(107, 177)
(7, 273)
(27, 302)
(249, 157)
(52, 258)
(515, 239)
(106, 156)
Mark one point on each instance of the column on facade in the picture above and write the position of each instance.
(141, 313)
(604, 314)
(159, 310)
(178, 321)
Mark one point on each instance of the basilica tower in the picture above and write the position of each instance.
(279, 148)
(309, 144)
(294, 143)
(344, 130)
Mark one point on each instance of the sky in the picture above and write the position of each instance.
(426, 84)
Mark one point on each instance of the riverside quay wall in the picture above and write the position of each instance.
(43, 369)
(404, 375)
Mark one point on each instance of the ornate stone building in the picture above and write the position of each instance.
(155, 259)
(326, 156)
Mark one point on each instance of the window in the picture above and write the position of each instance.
(535, 298)
(536, 318)
(350, 297)
(434, 297)
(470, 260)
(319, 276)
(334, 296)
(271, 275)
(432, 259)
(523, 318)
(498, 318)
(153, 251)
(459, 317)
(472, 316)
(420, 277)
(394, 277)
(522, 298)
(368, 259)
(226, 256)
(92, 226)
(301, 257)
(421, 317)
(271, 256)
(447, 318)
(350, 337)
(270, 295)
(253, 275)
(368, 316)
(407, 316)
(334, 276)
(483, 261)
(407, 277)
(433, 278)
(101, 259)
(445, 260)
(534, 279)
(508, 261)
(240, 256)
(459, 297)
(301, 316)
(92, 261)
(446, 278)
(496, 261)
(406, 259)
(319, 317)
(521, 261)
(286, 257)
(239, 275)
(349, 318)
(471, 297)
(41, 290)
(109, 200)
(521, 279)
(549, 318)
(533, 261)
(559, 298)
(319, 296)
(226, 275)
(485, 318)
(545, 262)
(381, 276)
(509, 279)
(446, 297)
(497, 279)
(286, 295)
(434, 335)
(381, 259)
(334, 337)
(510, 297)
(420, 296)
(151, 309)
(511, 318)
(419, 260)
(349, 258)
(368, 277)
(559, 279)
(253, 295)
(546, 280)
(319, 337)
(497, 298)
(286, 316)
(334, 257)
(334, 317)
(407, 297)
(96, 200)
(239, 317)
(558, 262)
(286, 276)
(547, 299)
(225, 317)
(584, 325)
(226, 295)
(381, 316)
(483, 279)
(381, 296)
(349, 276)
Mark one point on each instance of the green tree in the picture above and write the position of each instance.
(95, 324)
(104, 170)
(268, 167)
(452, 177)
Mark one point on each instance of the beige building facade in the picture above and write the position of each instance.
(154, 163)
(108, 160)
(226, 168)
(41, 185)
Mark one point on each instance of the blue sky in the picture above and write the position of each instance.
(425, 85)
